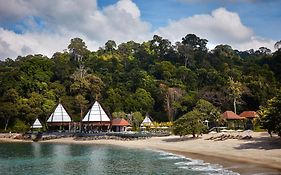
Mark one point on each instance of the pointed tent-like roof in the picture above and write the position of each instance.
(96, 114)
(59, 115)
(36, 124)
(146, 121)
(231, 116)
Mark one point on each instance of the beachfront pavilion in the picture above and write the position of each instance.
(233, 120)
(119, 125)
(146, 123)
(250, 116)
(37, 124)
(59, 119)
(96, 119)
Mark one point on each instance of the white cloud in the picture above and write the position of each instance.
(222, 1)
(220, 27)
(63, 20)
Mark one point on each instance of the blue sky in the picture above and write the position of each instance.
(263, 16)
(39, 26)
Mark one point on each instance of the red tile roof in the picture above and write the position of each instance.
(231, 116)
(119, 122)
(248, 114)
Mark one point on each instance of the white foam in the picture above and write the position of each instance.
(206, 168)
(166, 155)
(196, 165)
(192, 162)
(173, 157)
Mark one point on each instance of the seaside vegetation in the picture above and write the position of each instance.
(155, 77)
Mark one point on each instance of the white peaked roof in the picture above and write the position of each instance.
(146, 121)
(36, 124)
(59, 115)
(96, 114)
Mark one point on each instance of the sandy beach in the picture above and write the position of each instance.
(261, 154)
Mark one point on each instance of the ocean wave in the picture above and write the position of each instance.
(196, 165)
(172, 157)
(205, 168)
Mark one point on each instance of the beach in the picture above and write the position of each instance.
(259, 154)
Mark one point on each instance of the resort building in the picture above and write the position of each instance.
(59, 119)
(147, 122)
(96, 119)
(119, 125)
(249, 116)
(36, 124)
(233, 120)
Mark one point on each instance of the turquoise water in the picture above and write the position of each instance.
(70, 159)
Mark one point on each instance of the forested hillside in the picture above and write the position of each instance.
(156, 77)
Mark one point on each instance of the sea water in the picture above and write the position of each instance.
(72, 159)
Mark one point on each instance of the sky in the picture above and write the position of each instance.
(47, 26)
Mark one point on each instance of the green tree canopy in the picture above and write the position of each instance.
(190, 123)
(271, 115)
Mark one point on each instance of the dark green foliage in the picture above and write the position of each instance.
(271, 115)
(190, 123)
(155, 77)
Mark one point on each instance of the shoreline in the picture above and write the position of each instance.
(243, 167)
(261, 154)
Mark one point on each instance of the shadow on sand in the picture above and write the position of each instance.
(266, 143)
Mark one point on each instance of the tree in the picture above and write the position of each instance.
(236, 90)
(208, 112)
(137, 118)
(78, 49)
(277, 45)
(195, 42)
(95, 86)
(114, 100)
(7, 111)
(161, 47)
(271, 115)
(190, 123)
(187, 53)
(80, 84)
(120, 114)
(110, 45)
(85, 83)
(164, 70)
(263, 51)
(141, 101)
(82, 102)
(171, 95)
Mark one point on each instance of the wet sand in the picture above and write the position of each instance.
(259, 155)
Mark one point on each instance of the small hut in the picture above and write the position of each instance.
(119, 125)
(96, 119)
(147, 122)
(233, 120)
(249, 116)
(59, 118)
(36, 124)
